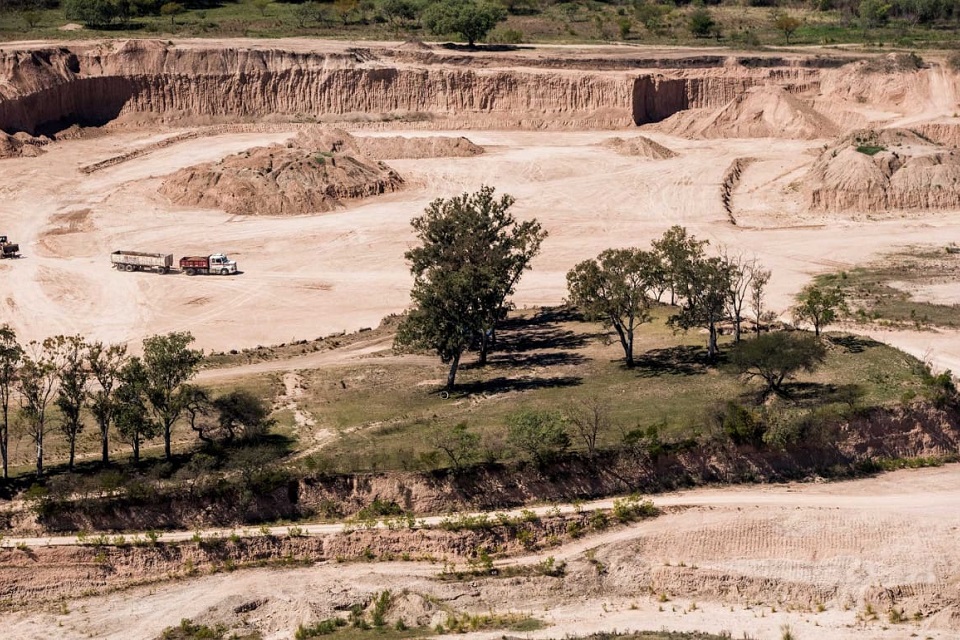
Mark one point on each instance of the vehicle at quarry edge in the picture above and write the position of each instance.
(8, 249)
(139, 261)
(216, 263)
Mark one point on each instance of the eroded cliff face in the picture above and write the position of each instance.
(46, 90)
(43, 91)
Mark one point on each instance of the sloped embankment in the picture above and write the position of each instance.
(877, 170)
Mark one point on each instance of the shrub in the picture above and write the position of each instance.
(701, 23)
(741, 426)
(541, 435)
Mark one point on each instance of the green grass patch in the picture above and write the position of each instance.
(388, 414)
(879, 292)
(565, 22)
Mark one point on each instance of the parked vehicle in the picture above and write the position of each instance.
(8, 249)
(140, 261)
(217, 263)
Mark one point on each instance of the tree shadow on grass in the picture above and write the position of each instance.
(815, 394)
(684, 360)
(853, 344)
(540, 332)
(503, 384)
(537, 359)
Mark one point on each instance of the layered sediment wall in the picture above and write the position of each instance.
(46, 90)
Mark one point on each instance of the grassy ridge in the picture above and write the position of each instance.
(570, 22)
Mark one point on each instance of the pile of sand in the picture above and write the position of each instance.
(759, 112)
(313, 173)
(872, 170)
(640, 147)
(397, 147)
(20, 145)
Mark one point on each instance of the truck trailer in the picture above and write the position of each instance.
(217, 263)
(140, 261)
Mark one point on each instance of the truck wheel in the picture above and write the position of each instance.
(131, 268)
(162, 271)
(223, 272)
(190, 272)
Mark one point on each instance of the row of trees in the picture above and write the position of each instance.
(471, 19)
(619, 286)
(64, 381)
(472, 253)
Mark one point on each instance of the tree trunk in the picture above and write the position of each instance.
(712, 342)
(4, 440)
(629, 349)
(105, 445)
(736, 329)
(40, 454)
(627, 345)
(136, 450)
(73, 452)
(484, 348)
(816, 329)
(452, 375)
(166, 441)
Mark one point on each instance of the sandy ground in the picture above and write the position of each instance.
(309, 276)
(847, 540)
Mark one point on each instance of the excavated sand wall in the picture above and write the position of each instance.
(46, 90)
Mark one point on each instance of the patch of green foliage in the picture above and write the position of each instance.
(870, 150)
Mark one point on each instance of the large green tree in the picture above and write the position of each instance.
(471, 19)
(105, 362)
(777, 357)
(11, 353)
(168, 363)
(37, 384)
(705, 285)
(819, 306)
(615, 288)
(72, 392)
(132, 417)
(471, 256)
(676, 249)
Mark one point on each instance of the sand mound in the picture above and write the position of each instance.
(873, 170)
(397, 147)
(640, 147)
(20, 145)
(312, 173)
(415, 45)
(759, 112)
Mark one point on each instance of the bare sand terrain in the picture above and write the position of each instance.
(557, 128)
(746, 560)
(307, 276)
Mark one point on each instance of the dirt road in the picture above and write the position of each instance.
(745, 560)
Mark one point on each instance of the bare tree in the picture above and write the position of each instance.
(11, 353)
(37, 384)
(590, 418)
(743, 274)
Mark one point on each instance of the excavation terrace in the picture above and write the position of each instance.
(286, 174)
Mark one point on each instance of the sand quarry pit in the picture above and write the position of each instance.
(156, 146)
